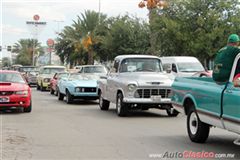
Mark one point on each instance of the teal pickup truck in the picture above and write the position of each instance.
(207, 104)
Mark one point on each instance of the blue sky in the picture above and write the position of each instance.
(15, 13)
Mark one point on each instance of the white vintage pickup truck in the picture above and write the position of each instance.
(136, 82)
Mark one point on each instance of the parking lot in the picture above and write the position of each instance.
(56, 130)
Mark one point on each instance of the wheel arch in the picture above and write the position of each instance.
(188, 101)
(120, 91)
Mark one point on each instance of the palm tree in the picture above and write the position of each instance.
(88, 25)
(81, 37)
(26, 48)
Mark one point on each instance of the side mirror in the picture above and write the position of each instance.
(113, 70)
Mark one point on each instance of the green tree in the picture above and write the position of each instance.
(6, 62)
(127, 35)
(197, 28)
(81, 38)
(25, 48)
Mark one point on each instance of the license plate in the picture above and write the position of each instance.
(4, 99)
(156, 98)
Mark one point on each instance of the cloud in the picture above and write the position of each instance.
(9, 29)
(27, 10)
(57, 14)
(59, 10)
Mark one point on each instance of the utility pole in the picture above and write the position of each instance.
(58, 26)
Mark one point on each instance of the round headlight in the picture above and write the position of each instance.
(132, 87)
(46, 80)
(77, 89)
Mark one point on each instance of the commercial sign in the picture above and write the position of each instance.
(35, 22)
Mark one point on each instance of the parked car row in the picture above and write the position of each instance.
(135, 82)
(79, 83)
(138, 82)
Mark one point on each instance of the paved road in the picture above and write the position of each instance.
(57, 131)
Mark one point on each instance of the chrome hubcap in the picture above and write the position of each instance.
(118, 104)
(100, 100)
(193, 123)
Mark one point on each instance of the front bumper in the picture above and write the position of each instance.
(16, 101)
(82, 95)
(46, 85)
(33, 83)
(147, 101)
(178, 107)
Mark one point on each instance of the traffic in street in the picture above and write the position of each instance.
(120, 80)
(57, 130)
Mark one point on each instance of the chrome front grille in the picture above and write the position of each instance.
(86, 89)
(147, 93)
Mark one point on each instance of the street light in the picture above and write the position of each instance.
(99, 10)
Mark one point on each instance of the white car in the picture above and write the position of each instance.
(182, 66)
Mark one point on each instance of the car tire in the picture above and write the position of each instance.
(121, 107)
(103, 104)
(38, 87)
(172, 113)
(197, 131)
(60, 96)
(41, 87)
(56, 91)
(69, 97)
(28, 109)
(51, 90)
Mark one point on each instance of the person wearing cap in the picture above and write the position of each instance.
(224, 59)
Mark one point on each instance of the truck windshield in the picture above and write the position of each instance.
(190, 67)
(141, 65)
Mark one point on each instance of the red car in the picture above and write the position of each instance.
(14, 91)
(54, 81)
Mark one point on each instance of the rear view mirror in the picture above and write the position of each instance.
(103, 77)
(168, 70)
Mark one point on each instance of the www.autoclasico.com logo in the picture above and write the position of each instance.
(192, 154)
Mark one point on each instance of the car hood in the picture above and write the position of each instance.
(185, 74)
(83, 83)
(149, 79)
(13, 87)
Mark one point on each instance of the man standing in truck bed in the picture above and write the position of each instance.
(225, 58)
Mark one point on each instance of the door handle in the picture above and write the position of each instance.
(229, 91)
